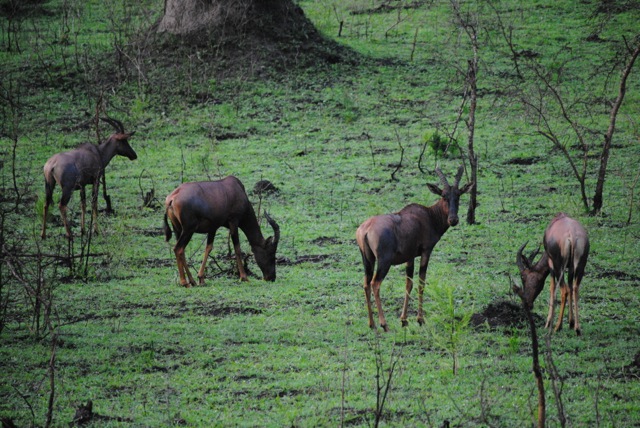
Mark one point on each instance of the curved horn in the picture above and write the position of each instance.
(275, 227)
(115, 123)
(520, 260)
(459, 175)
(443, 179)
(533, 255)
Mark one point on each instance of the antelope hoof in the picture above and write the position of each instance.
(385, 328)
(421, 321)
(200, 280)
(578, 332)
(405, 323)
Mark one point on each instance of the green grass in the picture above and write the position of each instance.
(298, 352)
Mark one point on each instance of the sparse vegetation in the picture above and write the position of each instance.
(340, 132)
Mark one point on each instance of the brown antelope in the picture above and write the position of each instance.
(566, 245)
(393, 239)
(79, 167)
(205, 206)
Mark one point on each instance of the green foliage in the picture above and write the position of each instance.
(298, 352)
(439, 145)
(447, 323)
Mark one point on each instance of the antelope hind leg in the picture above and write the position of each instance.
(576, 293)
(367, 296)
(376, 293)
(564, 296)
(183, 270)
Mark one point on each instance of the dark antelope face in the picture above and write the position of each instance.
(451, 194)
(122, 147)
(266, 260)
(532, 275)
(266, 255)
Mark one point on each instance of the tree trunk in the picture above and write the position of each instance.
(608, 137)
(230, 17)
(471, 126)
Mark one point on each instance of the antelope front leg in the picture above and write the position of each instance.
(233, 230)
(408, 288)
(422, 274)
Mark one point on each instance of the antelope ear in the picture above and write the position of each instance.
(466, 188)
(434, 189)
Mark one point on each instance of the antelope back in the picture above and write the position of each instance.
(566, 242)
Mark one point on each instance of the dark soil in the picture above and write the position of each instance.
(265, 187)
(311, 258)
(634, 367)
(523, 161)
(501, 314)
(324, 240)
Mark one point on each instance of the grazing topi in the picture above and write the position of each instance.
(566, 248)
(204, 207)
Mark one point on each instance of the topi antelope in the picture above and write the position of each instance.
(393, 239)
(566, 245)
(79, 167)
(203, 207)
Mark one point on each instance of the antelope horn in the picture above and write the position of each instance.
(443, 179)
(115, 123)
(459, 175)
(276, 228)
(534, 254)
(522, 261)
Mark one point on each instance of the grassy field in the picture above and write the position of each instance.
(341, 142)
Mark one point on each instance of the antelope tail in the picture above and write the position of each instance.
(572, 264)
(167, 229)
(566, 254)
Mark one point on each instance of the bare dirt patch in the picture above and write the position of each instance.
(502, 313)
(325, 259)
(324, 240)
(523, 161)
